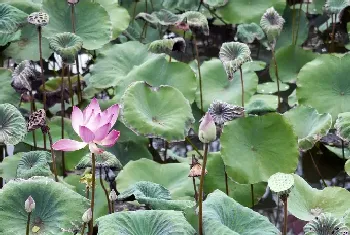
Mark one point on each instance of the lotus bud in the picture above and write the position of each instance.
(87, 216)
(29, 204)
(73, 1)
(207, 129)
(112, 195)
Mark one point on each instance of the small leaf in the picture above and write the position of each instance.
(105, 159)
(34, 163)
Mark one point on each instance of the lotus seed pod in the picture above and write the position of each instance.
(207, 129)
(67, 45)
(272, 24)
(223, 112)
(326, 224)
(281, 183)
(29, 204)
(37, 120)
(87, 216)
(113, 195)
(38, 18)
(233, 55)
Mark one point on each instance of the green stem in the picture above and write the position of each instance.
(194, 147)
(293, 20)
(214, 14)
(199, 72)
(71, 93)
(201, 184)
(226, 181)
(28, 223)
(105, 191)
(333, 31)
(112, 206)
(79, 94)
(278, 211)
(32, 110)
(2, 156)
(83, 229)
(52, 155)
(343, 154)
(318, 171)
(242, 87)
(62, 117)
(298, 25)
(93, 163)
(195, 188)
(42, 77)
(277, 79)
(252, 193)
(285, 210)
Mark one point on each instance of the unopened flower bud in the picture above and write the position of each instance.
(29, 204)
(207, 129)
(112, 195)
(87, 216)
(72, 1)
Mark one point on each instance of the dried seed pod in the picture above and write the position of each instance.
(37, 120)
(324, 224)
(281, 183)
(38, 19)
(196, 170)
(223, 112)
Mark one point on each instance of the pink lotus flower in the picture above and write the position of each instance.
(93, 127)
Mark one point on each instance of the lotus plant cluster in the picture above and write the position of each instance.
(203, 117)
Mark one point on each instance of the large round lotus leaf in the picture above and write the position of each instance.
(93, 23)
(170, 119)
(288, 72)
(216, 86)
(260, 104)
(34, 163)
(292, 99)
(13, 127)
(342, 125)
(222, 215)
(11, 18)
(105, 159)
(119, 16)
(7, 94)
(271, 87)
(254, 148)
(309, 125)
(347, 167)
(9, 37)
(151, 222)
(324, 85)
(155, 196)
(241, 11)
(24, 5)
(8, 166)
(27, 46)
(173, 176)
(57, 208)
(215, 179)
(306, 203)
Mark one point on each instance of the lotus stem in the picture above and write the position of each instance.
(214, 14)
(42, 76)
(87, 192)
(199, 72)
(194, 147)
(28, 222)
(277, 79)
(2, 156)
(195, 189)
(143, 30)
(307, 7)
(134, 11)
(201, 184)
(242, 87)
(252, 193)
(106, 192)
(32, 110)
(200, 4)
(278, 211)
(62, 117)
(343, 154)
(258, 51)
(52, 154)
(293, 20)
(83, 229)
(151, 1)
(226, 181)
(71, 93)
(146, 6)
(318, 171)
(93, 163)
(285, 210)
(333, 31)
(298, 25)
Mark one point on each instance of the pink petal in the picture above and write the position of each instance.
(113, 110)
(92, 107)
(77, 118)
(68, 145)
(86, 134)
(94, 149)
(110, 140)
(94, 123)
(102, 132)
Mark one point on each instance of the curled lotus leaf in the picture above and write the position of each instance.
(215, 3)
(38, 19)
(336, 6)
(58, 209)
(272, 24)
(105, 159)
(248, 33)
(233, 55)
(12, 125)
(23, 76)
(342, 125)
(34, 163)
(11, 18)
(162, 18)
(167, 45)
(196, 21)
(326, 223)
(67, 45)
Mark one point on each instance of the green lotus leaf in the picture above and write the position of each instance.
(266, 144)
(223, 215)
(27, 46)
(335, 6)
(7, 95)
(173, 176)
(34, 163)
(67, 45)
(342, 125)
(24, 5)
(309, 125)
(196, 21)
(260, 104)
(51, 213)
(11, 18)
(8, 166)
(94, 28)
(23, 75)
(292, 99)
(306, 203)
(271, 87)
(168, 119)
(215, 179)
(248, 33)
(347, 167)
(182, 5)
(155, 222)
(328, 75)
(13, 127)
(241, 11)
(137, 29)
(314, 7)
(159, 18)
(216, 3)
(326, 223)
(216, 86)
(5, 38)
(154, 195)
(167, 45)
(105, 159)
(288, 72)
